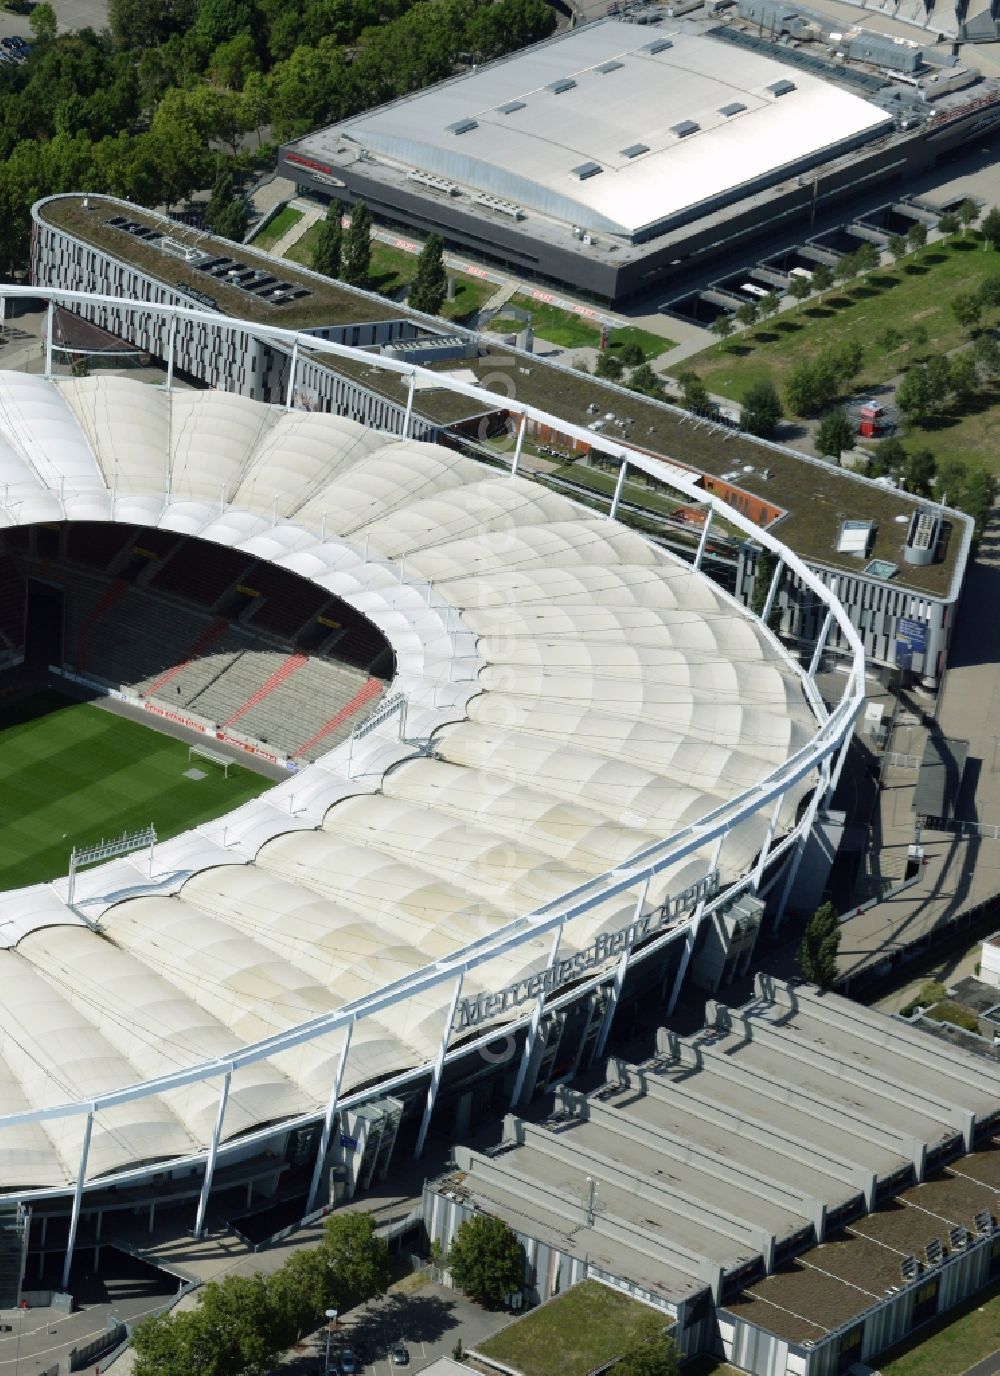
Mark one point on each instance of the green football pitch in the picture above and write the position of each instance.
(72, 774)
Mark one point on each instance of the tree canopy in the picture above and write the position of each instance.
(242, 1323)
(648, 1350)
(486, 1260)
(430, 284)
(143, 109)
(761, 409)
(817, 957)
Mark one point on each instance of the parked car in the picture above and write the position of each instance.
(8, 43)
(348, 1365)
(400, 1355)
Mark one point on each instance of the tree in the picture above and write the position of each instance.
(890, 340)
(845, 360)
(916, 236)
(967, 308)
(890, 459)
(989, 293)
(822, 278)
(328, 249)
(919, 472)
(746, 315)
(631, 354)
(963, 377)
(609, 366)
(990, 227)
(867, 257)
(986, 356)
(722, 327)
(226, 213)
(43, 23)
(357, 1261)
(695, 393)
(769, 305)
(761, 409)
(643, 379)
(918, 337)
(897, 247)
(430, 285)
(486, 1260)
(799, 287)
(834, 434)
(847, 268)
(648, 1350)
(357, 252)
(968, 213)
(913, 395)
(298, 1293)
(948, 223)
(763, 575)
(817, 956)
(238, 1323)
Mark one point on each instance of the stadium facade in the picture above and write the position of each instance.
(591, 777)
(614, 157)
(895, 563)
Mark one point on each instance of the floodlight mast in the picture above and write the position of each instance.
(126, 844)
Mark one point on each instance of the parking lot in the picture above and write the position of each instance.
(429, 1319)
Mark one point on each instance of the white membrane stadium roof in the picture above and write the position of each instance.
(583, 694)
(505, 130)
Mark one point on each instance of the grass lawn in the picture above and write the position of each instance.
(72, 774)
(971, 435)
(917, 290)
(951, 1344)
(572, 331)
(281, 224)
(577, 1331)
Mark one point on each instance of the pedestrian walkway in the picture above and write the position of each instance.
(310, 215)
(501, 296)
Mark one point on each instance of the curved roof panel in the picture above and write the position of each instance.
(577, 694)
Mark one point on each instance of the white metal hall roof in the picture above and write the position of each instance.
(575, 694)
(611, 127)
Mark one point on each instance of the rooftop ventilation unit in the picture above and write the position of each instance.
(586, 170)
(909, 1269)
(565, 83)
(605, 67)
(435, 183)
(736, 108)
(186, 252)
(511, 106)
(934, 1252)
(634, 149)
(781, 88)
(658, 45)
(958, 1237)
(462, 126)
(686, 127)
(922, 536)
(984, 1222)
(500, 206)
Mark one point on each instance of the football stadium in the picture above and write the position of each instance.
(483, 769)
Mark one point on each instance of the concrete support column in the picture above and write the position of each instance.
(331, 1110)
(758, 873)
(436, 1073)
(797, 851)
(613, 513)
(531, 1037)
(206, 1184)
(49, 322)
(772, 592)
(171, 340)
(619, 979)
(293, 370)
(692, 932)
(700, 554)
(74, 1221)
(518, 443)
(408, 413)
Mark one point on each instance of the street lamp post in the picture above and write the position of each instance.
(331, 1315)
